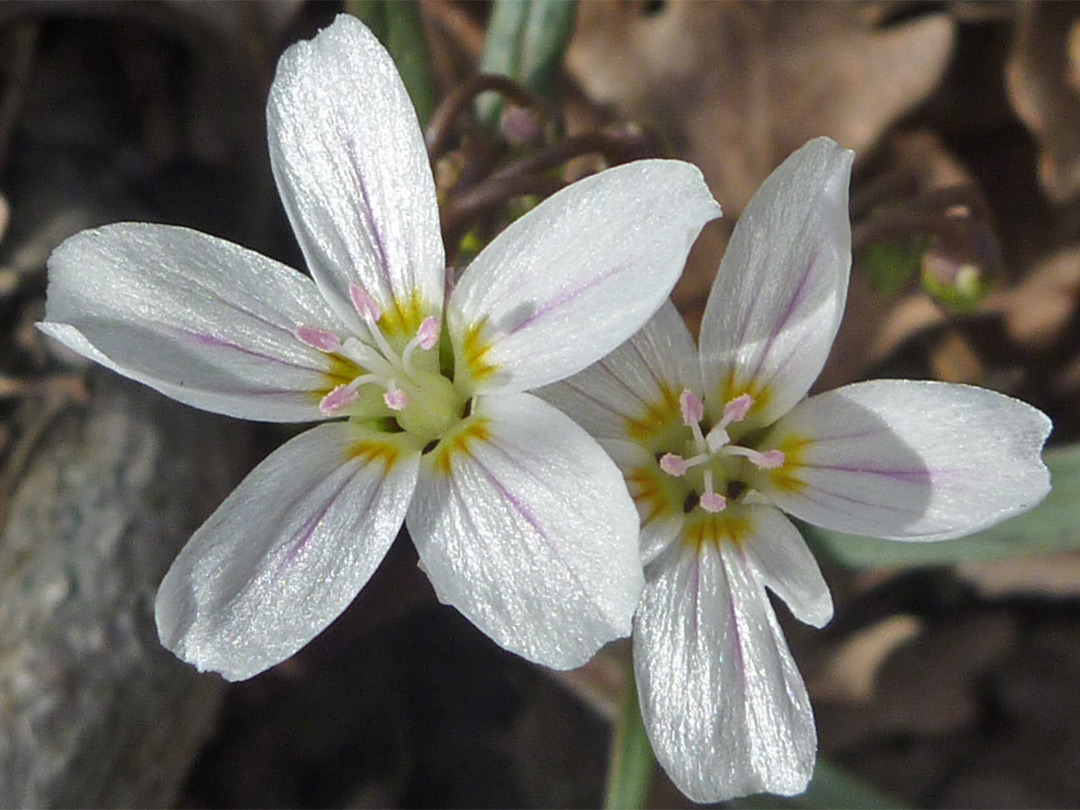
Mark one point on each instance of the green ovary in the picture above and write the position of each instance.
(434, 406)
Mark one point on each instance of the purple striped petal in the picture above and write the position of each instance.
(200, 319)
(524, 525)
(576, 276)
(723, 702)
(908, 460)
(287, 551)
(633, 393)
(352, 170)
(779, 295)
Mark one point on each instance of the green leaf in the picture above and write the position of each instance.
(526, 41)
(1052, 526)
(397, 25)
(831, 787)
(631, 763)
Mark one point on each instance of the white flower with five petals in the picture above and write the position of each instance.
(715, 442)
(520, 519)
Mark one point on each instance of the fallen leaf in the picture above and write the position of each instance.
(1043, 81)
(851, 672)
(737, 87)
(1038, 308)
(1054, 575)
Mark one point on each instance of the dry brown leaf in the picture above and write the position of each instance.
(911, 314)
(1043, 80)
(734, 88)
(925, 687)
(852, 671)
(953, 360)
(737, 87)
(1037, 309)
(1054, 575)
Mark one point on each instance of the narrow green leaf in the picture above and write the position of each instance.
(1052, 526)
(505, 31)
(370, 13)
(397, 25)
(830, 789)
(502, 53)
(631, 762)
(526, 41)
(544, 42)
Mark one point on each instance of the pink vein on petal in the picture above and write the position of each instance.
(520, 507)
(565, 298)
(302, 536)
(206, 339)
(914, 476)
(781, 324)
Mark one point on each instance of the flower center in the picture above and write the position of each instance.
(422, 400)
(712, 453)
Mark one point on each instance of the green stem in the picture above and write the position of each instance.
(631, 762)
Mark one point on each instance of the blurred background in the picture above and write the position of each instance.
(947, 678)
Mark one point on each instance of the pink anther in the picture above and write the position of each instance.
(341, 397)
(769, 460)
(713, 502)
(318, 338)
(674, 465)
(736, 410)
(366, 305)
(692, 409)
(396, 399)
(430, 329)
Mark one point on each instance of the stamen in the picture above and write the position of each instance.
(340, 398)
(366, 357)
(395, 398)
(693, 411)
(674, 465)
(736, 410)
(713, 502)
(317, 338)
(366, 305)
(769, 460)
(430, 329)
(426, 338)
(371, 312)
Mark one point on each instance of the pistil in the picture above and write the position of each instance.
(715, 445)
(383, 367)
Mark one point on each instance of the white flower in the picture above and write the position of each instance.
(520, 519)
(712, 443)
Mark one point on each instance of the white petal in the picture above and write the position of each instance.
(633, 393)
(723, 702)
(200, 319)
(658, 497)
(287, 552)
(578, 275)
(779, 295)
(524, 525)
(909, 460)
(785, 565)
(353, 173)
